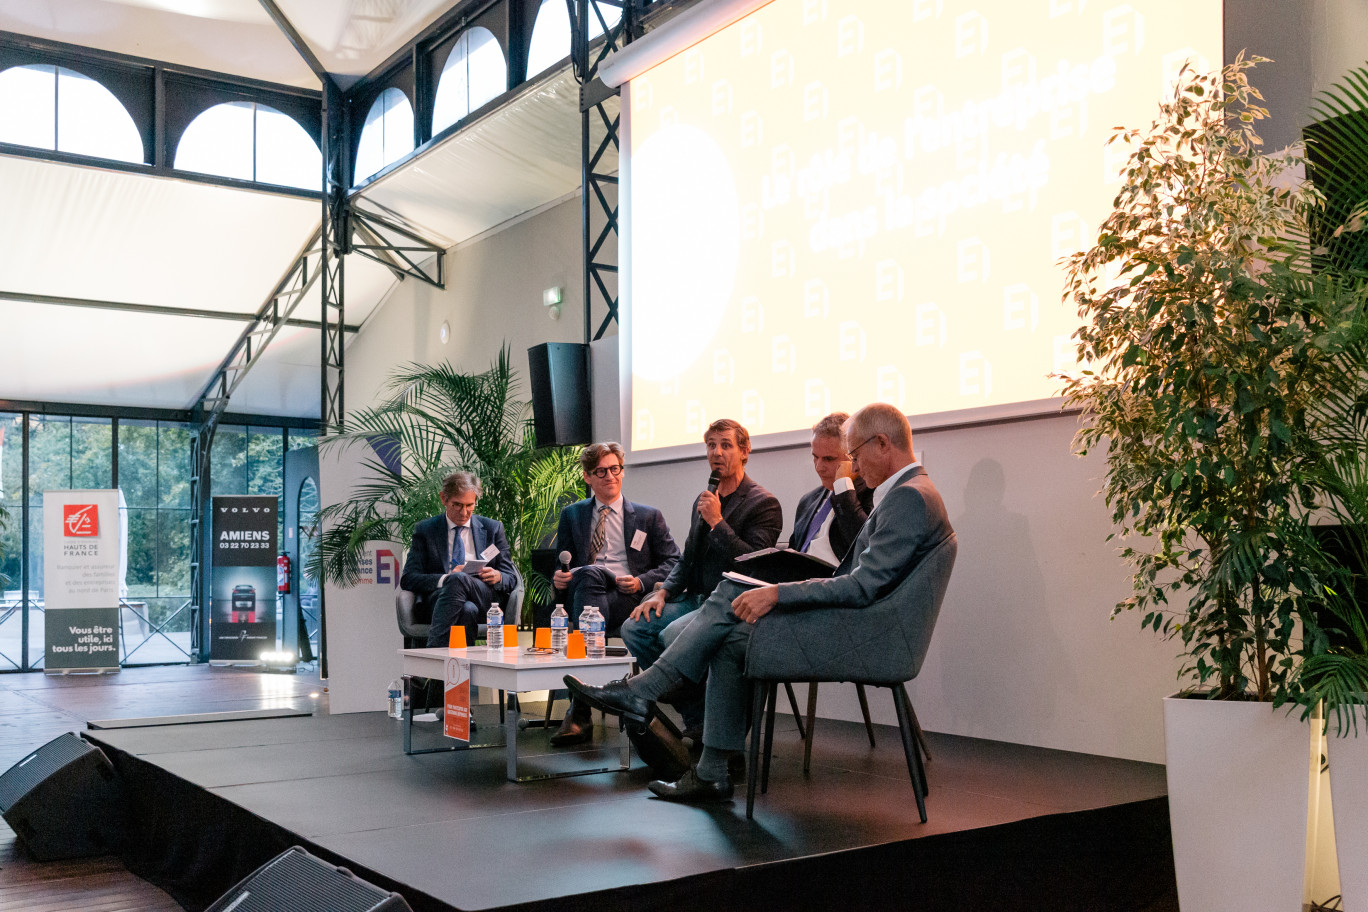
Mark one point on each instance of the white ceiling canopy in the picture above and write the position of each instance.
(349, 37)
(518, 157)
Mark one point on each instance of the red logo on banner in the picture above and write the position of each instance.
(80, 520)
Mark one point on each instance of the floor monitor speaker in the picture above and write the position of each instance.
(295, 881)
(559, 372)
(64, 800)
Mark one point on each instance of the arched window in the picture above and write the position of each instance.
(474, 73)
(51, 107)
(551, 33)
(252, 142)
(387, 135)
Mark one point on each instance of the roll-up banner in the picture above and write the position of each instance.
(81, 581)
(242, 624)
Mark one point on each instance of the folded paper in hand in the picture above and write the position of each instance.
(781, 565)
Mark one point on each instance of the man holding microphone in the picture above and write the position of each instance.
(733, 516)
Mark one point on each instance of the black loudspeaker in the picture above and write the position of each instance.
(64, 800)
(559, 372)
(295, 881)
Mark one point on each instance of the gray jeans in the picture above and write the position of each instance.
(714, 644)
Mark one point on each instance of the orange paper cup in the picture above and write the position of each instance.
(541, 638)
(510, 636)
(457, 638)
(574, 649)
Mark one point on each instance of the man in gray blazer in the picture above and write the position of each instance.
(908, 521)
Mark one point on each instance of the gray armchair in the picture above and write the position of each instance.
(414, 619)
(882, 645)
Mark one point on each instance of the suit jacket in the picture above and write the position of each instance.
(751, 520)
(850, 510)
(900, 531)
(651, 563)
(427, 557)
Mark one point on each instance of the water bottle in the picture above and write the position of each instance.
(395, 699)
(591, 625)
(494, 631)
(560, 629)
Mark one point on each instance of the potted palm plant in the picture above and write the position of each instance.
(1209, 345)
(438, 420)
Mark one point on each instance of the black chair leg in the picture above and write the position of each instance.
(921, 736)
(811, 727)
(772, 697)
(910, 748)
(864, 708)
(793, 704)
(758, 692)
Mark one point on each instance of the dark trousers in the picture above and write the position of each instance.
(597, 586)
(462, 601)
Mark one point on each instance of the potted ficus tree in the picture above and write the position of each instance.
(439, 420)
(1209, 346)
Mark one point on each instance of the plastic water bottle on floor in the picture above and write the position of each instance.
(591, 625)
(560, 629)
(494, 628)
(395, 699)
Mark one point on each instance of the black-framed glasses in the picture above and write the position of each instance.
(855, 449)
(605, 471)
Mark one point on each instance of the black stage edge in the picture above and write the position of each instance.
(837, 841)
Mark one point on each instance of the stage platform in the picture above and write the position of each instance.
(1010, 827)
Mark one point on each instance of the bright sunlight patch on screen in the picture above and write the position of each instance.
(839, 201)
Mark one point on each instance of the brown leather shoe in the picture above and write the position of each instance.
(573, 731)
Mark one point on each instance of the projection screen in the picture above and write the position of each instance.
(830, 202)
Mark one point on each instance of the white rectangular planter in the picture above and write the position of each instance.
(1348, 759)
(1238, 782)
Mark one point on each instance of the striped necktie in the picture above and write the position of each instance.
(600, 536)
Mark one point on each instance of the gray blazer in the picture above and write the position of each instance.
(906, 525)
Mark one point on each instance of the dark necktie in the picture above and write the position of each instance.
(817, 519)
(457, 549)
(600, 536)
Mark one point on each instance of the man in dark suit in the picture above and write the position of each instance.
(442, 547)
(737, 518)
(829, 516)
(907, 522)
(618, 550)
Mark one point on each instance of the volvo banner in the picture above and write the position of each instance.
(242, 623)
(81, 580)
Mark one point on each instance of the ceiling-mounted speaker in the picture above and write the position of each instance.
(64, 800)
(295, 881)
(559, 372)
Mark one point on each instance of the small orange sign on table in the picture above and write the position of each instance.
(456, 719)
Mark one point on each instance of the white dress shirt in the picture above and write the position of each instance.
(614, 554)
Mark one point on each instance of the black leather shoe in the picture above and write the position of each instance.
(736, 767)
(573, 731)
(614, 698)
(692, 790)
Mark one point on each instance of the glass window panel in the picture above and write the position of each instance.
(92, 121)
(551, 34)
(387, 134)
(28, 105)
(173, 552)
(300, 439)
(474, 73)
(265, 457)
(219, 141)
(49, 455)
(138, 462)
(142, 553)
(286, 154)
(12, 499)
(228, 461)
(173, 482)
(34, 571)
(92, 455)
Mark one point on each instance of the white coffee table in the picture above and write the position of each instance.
(516, 671)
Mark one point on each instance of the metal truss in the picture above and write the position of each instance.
(406, 255)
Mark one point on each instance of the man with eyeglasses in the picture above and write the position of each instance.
(907, 522)
(443, 547)
(618, 550)
(829, 516)
(738, 517)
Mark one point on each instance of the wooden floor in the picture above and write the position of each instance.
(35, 708)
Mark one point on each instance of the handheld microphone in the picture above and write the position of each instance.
(713, 481)
(565, 560)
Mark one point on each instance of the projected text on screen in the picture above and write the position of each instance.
(839, 201)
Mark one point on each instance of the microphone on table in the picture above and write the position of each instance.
(713, 481)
